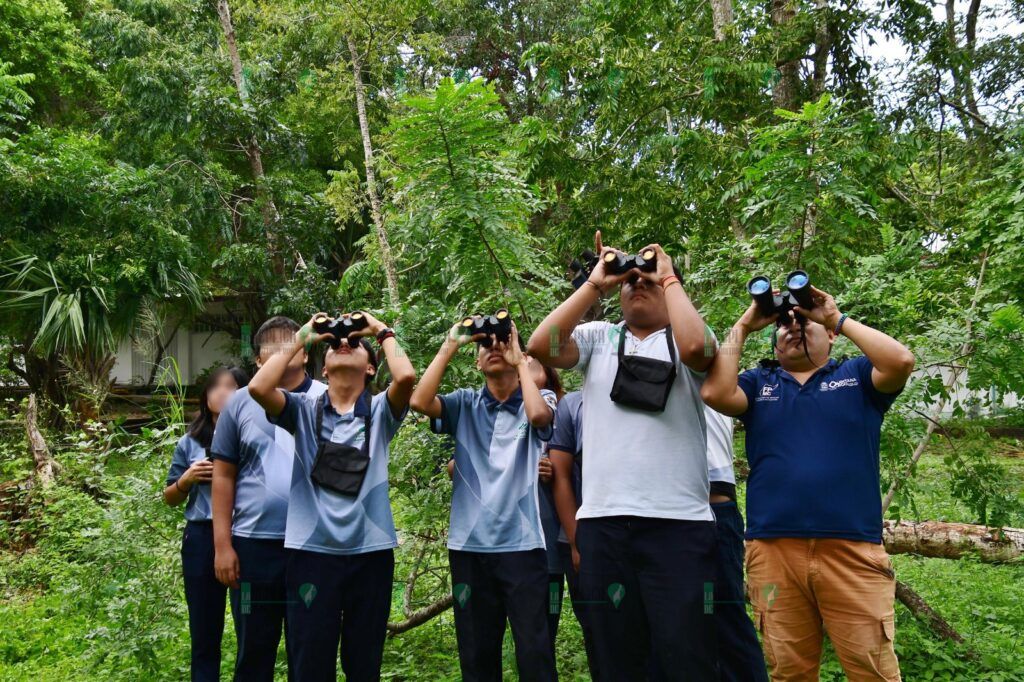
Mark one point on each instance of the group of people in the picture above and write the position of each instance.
(624, 490)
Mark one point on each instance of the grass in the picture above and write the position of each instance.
(99, 595)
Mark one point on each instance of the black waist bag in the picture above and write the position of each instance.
(337, 466)
(644, 383)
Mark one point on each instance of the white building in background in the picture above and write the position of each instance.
(194, 347)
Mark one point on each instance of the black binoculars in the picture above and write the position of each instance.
(616, 263)
(341, 327)
(796, 293)
(582, 266)
(499, 324)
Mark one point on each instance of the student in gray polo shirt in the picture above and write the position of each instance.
(495, 538)
(340, 531)
(645, 532)
(252, 474)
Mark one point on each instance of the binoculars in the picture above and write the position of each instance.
(796, 293)
(499, 324)
(615, 263)
(342, 327)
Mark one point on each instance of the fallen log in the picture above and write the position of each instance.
(421, 616)
(940, 540)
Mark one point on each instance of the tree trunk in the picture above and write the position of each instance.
(784, 92)
(37, 444)
(940, 540)
(390, 271)
(822, 47)
(721, 18)
(268, 208)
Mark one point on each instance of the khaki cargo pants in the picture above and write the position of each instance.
(800, 588)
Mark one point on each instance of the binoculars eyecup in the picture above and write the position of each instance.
(797, 293)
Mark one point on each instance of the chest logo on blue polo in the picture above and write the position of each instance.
(769, 393)
(837, 384)
(521, 430)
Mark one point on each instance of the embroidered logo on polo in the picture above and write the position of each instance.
(837, 384)
(769, 393)
(521, 430)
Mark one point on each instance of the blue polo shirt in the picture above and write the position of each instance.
(263, 454)
(495, 504)
(187, 452)
(568, 437)
(813, 452)
(322, 520)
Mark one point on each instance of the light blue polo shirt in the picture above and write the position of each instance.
(187, 452)
(325, 521)
(495, 504)
(263, 454)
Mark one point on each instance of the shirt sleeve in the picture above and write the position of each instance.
(589, 337)
(380, 409)
(289, 417)
(451, 409)
(225, 444)
(564, 437)
(552, 401)
(179, 461)
(747, 381)
(881, 401)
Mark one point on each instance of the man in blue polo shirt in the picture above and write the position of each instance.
(495, 539)
(340, 530)
(252, 474)
(814, 514)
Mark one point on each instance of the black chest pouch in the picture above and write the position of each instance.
(644, 383)
(340, 467)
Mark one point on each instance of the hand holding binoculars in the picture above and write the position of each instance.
(499, 324)
(341, 327)
(615, 263)
(796, 293)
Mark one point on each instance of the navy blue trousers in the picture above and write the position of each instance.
(490, 588)
(739, 653)
(649, 586)
(579, 608)
(336, 600)
(258, 607)
(205, 597)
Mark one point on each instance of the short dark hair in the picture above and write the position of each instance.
(365, 343)
(201, 427)
(268, 328)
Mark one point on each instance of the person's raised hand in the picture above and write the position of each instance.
(510, 350)
(754, 320)
(457, 338)
(373, 326)
(604, 280)
(664, 265)
(825, 311)
(307, 336)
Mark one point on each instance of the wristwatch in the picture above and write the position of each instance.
(385, 333)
